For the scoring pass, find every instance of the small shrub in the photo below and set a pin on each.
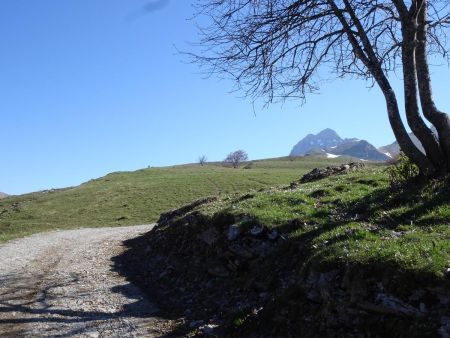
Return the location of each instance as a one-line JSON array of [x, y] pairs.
[[402, 171]]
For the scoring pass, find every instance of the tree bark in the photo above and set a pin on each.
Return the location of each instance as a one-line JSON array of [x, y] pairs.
[[439, 119], [426, 167], [415, 121], [367, 55]]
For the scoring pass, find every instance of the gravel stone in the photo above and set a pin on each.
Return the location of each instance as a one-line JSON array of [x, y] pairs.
[[62, 284]]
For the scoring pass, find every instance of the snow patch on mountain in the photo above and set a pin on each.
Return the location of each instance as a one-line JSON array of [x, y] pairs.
[[330, 144]]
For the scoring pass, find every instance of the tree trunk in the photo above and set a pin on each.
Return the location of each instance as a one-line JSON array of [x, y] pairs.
[[439, 119], [415, 121], [368, 56], [364, 51], [426, 167]]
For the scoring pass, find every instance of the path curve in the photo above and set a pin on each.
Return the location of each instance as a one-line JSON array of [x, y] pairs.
[[61, 284]]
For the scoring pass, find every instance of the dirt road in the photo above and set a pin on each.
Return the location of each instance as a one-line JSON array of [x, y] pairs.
[[62, 284]]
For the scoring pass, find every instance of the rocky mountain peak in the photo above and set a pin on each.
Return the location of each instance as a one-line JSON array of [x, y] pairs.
[[328, 134], [325, 139], [329, 143]]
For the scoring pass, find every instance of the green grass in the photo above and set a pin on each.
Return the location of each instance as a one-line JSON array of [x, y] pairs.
[[344, 242], [129, 198], [357, 219]]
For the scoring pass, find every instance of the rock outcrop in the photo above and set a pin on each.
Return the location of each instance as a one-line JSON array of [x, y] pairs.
[[318, 173]]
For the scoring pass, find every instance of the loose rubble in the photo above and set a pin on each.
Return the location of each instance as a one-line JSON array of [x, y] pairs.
[[319, 173]]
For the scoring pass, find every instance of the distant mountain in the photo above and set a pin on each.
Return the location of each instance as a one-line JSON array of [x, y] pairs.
[[325, 139], [328, 143], [392, 150], [3, 195], [360, 149]]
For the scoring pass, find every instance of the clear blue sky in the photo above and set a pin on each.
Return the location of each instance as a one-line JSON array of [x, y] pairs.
[[94, 86]]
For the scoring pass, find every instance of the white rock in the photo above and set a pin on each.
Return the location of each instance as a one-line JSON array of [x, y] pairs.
[[208, 328]]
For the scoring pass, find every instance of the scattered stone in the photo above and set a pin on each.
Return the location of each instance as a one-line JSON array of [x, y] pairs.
[[273, 235], [208, 329], [317, 173], [257, 230], [357, 288], [422, 307], [397, 306], [192, 220], [233, 232], [241, 219], [218, 271], [240, 251], [294, 185], [297, 222], [264, 284], [196, 323], [444, 330], [163, 274], [262, 248], [209, 236], [396, 233], [233, 266]]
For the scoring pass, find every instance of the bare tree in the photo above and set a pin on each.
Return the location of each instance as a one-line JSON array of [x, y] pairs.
[[277, 49], [202, 160], [236, 158]]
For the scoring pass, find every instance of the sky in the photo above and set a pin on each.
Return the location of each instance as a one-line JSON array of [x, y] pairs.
[[90, 87]]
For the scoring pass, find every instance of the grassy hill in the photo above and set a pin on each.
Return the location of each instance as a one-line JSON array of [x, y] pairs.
[[127, 198], [344, 256]]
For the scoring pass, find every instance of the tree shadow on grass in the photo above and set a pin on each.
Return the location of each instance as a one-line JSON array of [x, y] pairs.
[[417, 199], [172, 264]]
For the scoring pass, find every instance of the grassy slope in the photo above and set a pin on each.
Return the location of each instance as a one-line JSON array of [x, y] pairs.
[[397, 238], [139, 197], [358, 218]]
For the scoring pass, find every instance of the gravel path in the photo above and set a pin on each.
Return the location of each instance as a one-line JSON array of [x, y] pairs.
[[61, 284]]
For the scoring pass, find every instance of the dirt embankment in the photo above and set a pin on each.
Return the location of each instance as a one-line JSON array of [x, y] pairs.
[[230, 276]]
